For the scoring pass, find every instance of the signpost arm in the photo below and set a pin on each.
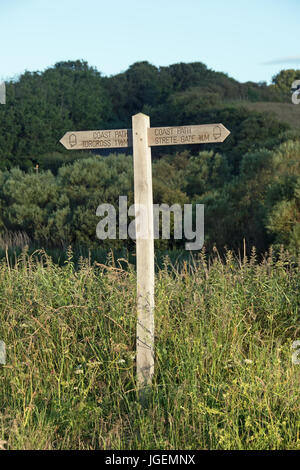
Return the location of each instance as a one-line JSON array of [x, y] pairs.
[[143, 199]]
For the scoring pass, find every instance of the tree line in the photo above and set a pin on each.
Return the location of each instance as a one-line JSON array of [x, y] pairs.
[[249, 184]]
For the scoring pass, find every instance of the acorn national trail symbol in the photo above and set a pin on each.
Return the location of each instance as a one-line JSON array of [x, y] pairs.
[[72, 140], [141, 138]]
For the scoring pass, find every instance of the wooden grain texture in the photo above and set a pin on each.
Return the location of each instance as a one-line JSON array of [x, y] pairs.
[[98, 139], [182, 135], [144, 250]]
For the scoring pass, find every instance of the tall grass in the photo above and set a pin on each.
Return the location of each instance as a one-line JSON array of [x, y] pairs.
[[101, 255], [13, 240], [224, 378]]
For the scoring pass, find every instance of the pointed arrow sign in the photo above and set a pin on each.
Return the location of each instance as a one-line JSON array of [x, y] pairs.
[[201, 134], [84, 140], [98, 139]]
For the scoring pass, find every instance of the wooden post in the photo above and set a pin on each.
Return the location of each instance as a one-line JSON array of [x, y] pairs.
[[144, 250], [143, 137]]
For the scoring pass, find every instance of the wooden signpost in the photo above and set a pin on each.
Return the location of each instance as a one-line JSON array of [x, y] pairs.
[[142, 137]]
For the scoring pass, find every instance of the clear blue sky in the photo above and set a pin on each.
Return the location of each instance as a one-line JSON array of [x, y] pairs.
[[249, 40]]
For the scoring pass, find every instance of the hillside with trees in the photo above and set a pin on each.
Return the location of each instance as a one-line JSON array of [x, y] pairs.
[[250, 184]]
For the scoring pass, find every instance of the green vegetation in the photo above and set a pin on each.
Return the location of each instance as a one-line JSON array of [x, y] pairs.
[[261, 204], [225, 323], [42, 106], [249, 184], [284, 112], [224, 377], [55, 205]]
